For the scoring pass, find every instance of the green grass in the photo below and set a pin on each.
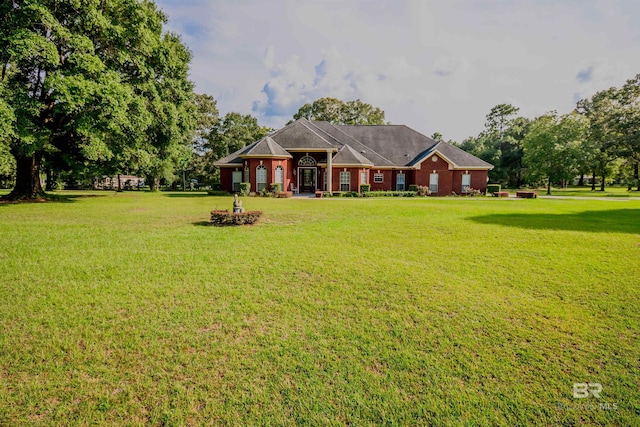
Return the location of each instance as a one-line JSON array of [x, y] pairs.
[[125, 309], [609, 191]]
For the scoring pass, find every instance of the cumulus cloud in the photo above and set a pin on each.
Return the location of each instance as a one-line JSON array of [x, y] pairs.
[[436, 65]]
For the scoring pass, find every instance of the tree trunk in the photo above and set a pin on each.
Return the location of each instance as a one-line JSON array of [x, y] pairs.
[[581, 180], [593, 181], [49, 181], [602, 183], [28, 184], [119, 185], [153, 183], [636, 175], [549, 187]]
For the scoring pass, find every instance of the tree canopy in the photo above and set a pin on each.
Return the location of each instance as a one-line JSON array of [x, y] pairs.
[[95, 81], [339, 112]]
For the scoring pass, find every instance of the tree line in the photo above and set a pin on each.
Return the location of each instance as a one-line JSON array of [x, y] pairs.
[[599, 140], [92, 89]]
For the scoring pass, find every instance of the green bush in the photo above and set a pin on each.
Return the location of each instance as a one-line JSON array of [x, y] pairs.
[[222, 218], [422, 190], [245, 188], [391, 194], [413, 187], [336, 194], [365, 188], [350, 194], [326, 194], [216, 186], [217, 193], [275, 187], [493, 188]]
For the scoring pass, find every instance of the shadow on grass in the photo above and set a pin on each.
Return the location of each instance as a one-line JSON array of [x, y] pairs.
[[202, 224], [613, 221], [186, 195], [50, 198]]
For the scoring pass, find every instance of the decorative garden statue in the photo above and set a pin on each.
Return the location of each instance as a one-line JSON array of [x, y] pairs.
[[237, 204]]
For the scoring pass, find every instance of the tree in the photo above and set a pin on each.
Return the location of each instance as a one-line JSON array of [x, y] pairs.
[[85, 79], [552, 146], [339, 112], [602, 112], [233, 132]]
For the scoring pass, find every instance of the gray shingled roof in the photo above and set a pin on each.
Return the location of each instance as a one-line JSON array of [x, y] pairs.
[[459, 157], [398, 143], [377, 145], [301, 134], [266, 147], [342, 138], [348, 156]]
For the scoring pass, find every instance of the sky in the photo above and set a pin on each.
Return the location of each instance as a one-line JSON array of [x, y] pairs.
[[433, 65]]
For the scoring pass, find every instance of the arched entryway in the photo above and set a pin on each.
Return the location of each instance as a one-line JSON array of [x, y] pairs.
[[307, 175]]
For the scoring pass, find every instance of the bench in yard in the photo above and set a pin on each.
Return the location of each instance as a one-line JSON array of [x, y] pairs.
[[526, 194]]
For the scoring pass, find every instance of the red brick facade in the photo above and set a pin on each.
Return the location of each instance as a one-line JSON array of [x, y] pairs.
[[449, 180]]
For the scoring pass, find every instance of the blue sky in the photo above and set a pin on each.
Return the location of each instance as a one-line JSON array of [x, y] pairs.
[[436, 66]]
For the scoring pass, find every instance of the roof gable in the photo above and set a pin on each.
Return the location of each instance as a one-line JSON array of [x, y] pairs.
[[301, 135], [348, 156], [266, 147]]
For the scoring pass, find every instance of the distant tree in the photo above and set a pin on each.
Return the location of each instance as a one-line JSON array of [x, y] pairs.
[[437, 136], [339, 112], [552, 147], [207, 121], [233, 132]]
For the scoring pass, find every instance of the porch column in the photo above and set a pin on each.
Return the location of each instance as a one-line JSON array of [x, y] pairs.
[[329, 171]]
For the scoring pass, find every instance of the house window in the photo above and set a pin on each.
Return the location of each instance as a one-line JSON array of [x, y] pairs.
[[466, 182], [307, 161], [280, 176], [246, 173], [363, 177], [236, 177], [345, 181], [378, 178], [433, 182], [261, 178], [400, 182]]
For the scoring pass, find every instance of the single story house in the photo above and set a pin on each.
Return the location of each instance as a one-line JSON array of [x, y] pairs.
[[307, 156]]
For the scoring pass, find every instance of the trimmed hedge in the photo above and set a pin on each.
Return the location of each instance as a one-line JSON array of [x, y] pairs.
[[275, 187], [365, 188], [390, 194], [217, 193], [224, 217]]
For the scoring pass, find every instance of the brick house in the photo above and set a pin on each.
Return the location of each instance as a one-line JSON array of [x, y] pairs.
[[306, 156]]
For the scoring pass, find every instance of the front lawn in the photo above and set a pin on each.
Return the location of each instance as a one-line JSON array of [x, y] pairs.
[[126, 309]]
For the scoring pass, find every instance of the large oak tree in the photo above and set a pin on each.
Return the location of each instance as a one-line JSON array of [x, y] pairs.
[[96, 80]]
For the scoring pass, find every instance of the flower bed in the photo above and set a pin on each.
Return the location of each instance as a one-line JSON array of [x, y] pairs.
[[224, 217]]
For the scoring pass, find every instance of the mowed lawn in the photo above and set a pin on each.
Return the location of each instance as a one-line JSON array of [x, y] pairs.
[[126, 309]]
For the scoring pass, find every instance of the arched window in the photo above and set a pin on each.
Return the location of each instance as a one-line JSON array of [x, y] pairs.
[[307, 161], [261, 177], [280, 177]]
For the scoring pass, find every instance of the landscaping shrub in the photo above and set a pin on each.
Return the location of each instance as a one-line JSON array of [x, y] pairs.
[[245, 188], [275, 187], [350, 194], [390, 194], [326, 194], [413, 187], [421, 190], [336, 194], [365, 188], [493, 188], [224, 217], [217, 193], [216, 186]]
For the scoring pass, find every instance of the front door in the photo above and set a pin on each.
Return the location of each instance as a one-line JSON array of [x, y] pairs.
[[307, 178]]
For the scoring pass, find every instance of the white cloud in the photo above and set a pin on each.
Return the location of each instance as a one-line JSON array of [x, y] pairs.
[[434, 65]]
